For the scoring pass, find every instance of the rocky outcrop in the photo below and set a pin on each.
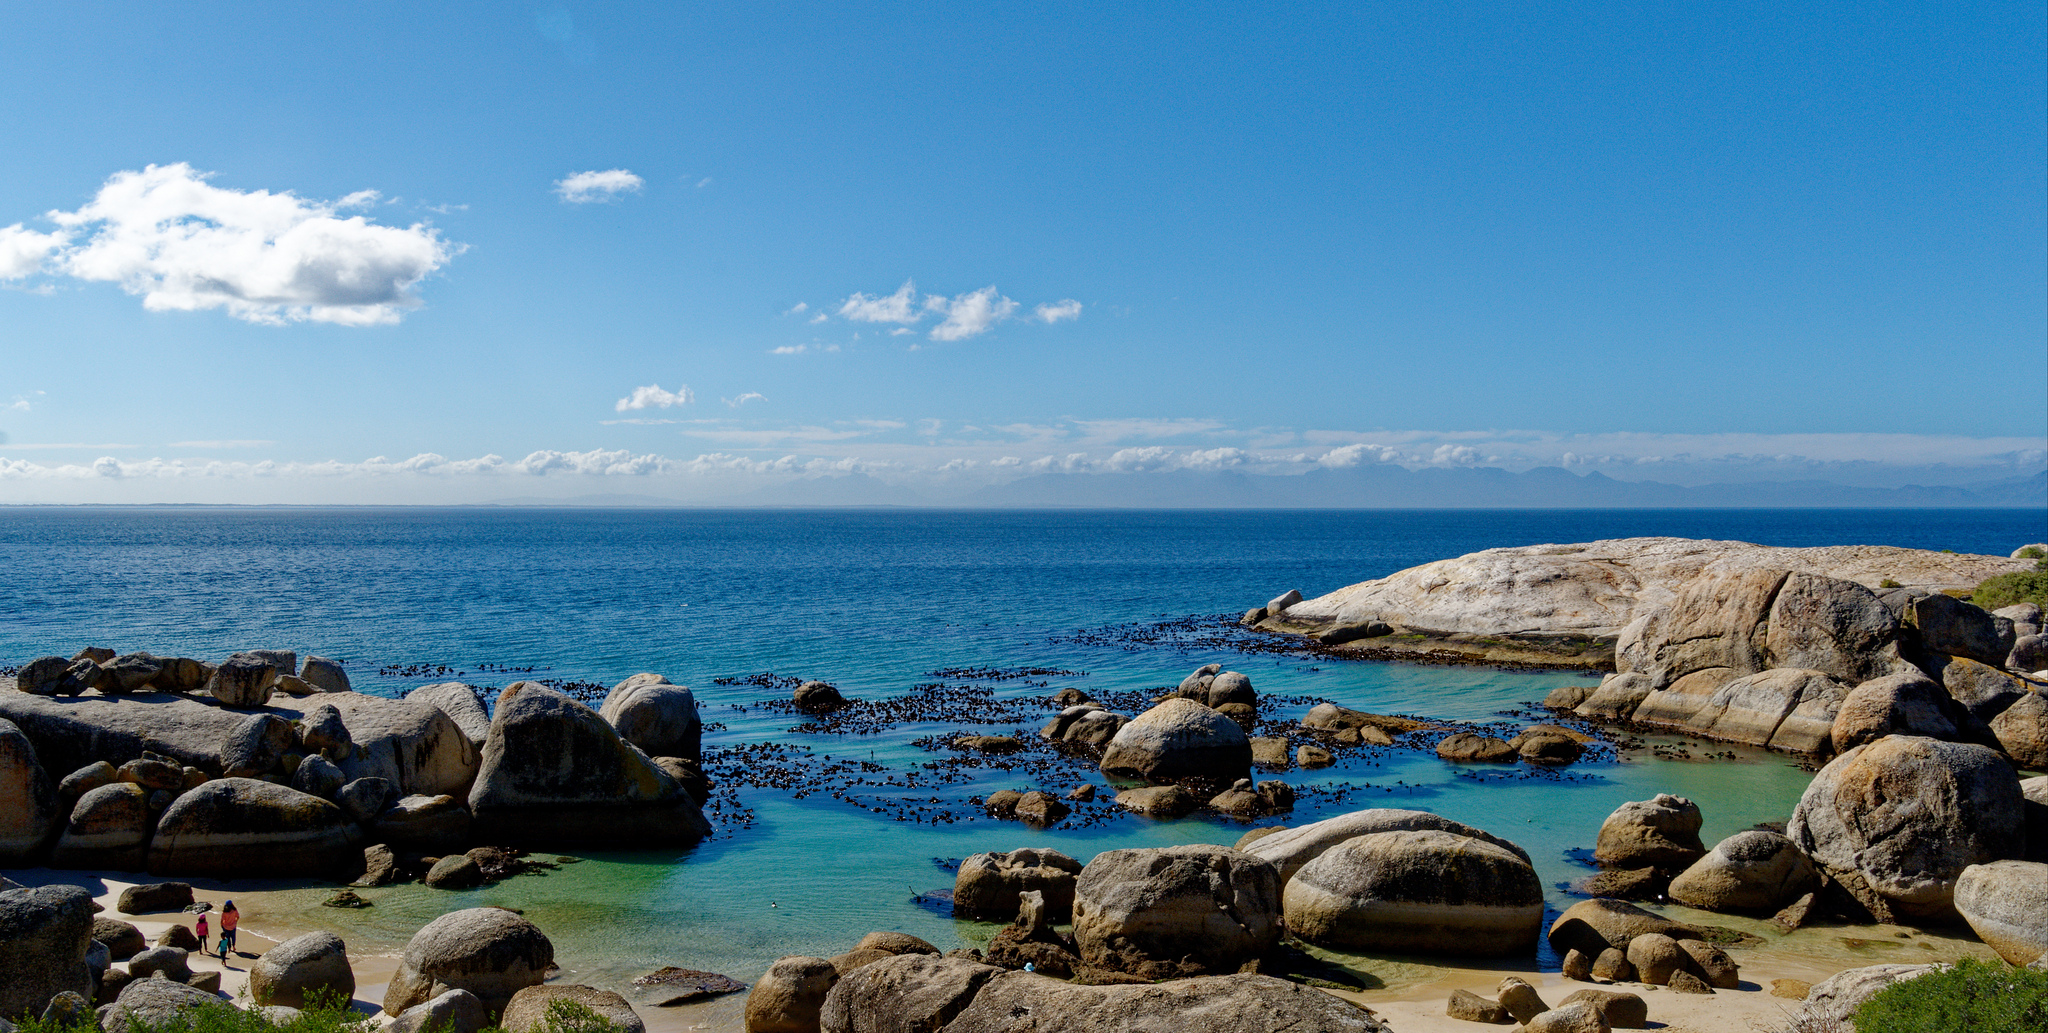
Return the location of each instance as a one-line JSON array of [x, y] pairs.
[[240, 827], [1908, 703], [554, 771], [1749, 871], [463, 705], [1417, 892], [1592, 590], [787, 997], [1896, 821], [1009, 1002], [659, 718], [1592, 927], [44, 933], [73, 732], [1290, 849], [1832, 1002], [1175, 911], [409, 742], [2006, 904], [296, 970], [527, 1012], [1786, 708], [1180, 739], [487, 951], [988, 885], [28, 799]]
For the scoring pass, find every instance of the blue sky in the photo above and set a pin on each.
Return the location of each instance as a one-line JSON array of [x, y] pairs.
[[1707, 242]]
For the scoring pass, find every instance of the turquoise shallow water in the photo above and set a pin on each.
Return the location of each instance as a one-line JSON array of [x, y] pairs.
[[874, 602]]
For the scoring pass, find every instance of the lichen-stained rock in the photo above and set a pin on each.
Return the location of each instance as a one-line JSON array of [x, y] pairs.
[[1899, 704], [555, 772], [109, 828], [240, 827], [1617, 697], [1786, 708], [1014, 1002], [1421, 892], [487, 951], [244, 680], [1749, 871], [1661, 832], [659, 718], [1180, 739], [1592, 927], [154, 1002], [44, 934], [2022, 731], [528, 1011], [1290, 849], [901, 993], [28, 798], [1983, 691], [2006, 904], [1896, 821], [1184, 910], [72, 732]]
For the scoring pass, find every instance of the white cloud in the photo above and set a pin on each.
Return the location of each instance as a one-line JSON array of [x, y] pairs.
[[751, 396], [801, 306], [819, 318], [900, 307], [586, 187], [653, 397], [164, 233], [1460, 455], [969, 315], [22, 251], [802, 349], [1065, 309]]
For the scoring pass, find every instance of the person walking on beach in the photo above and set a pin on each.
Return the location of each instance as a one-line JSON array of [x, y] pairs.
[[229, 919], [199, 929]]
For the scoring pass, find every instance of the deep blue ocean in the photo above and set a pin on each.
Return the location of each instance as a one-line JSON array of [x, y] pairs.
[[877, 602]]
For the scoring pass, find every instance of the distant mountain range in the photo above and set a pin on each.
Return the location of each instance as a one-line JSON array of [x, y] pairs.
[[1383, 486]]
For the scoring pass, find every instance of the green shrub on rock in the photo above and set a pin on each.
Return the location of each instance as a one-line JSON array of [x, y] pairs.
[[1974, 995], [2026, 586]]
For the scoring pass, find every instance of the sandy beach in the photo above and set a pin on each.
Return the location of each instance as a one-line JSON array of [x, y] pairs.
[[1411, 999]]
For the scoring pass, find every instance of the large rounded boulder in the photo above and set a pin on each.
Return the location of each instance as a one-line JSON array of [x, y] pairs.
[[787, 997], [408, 742], [28, 799], [1290, 849], [109, 828], [1896, 821], [301, 968], [1593, 926], [655, 716], [44, 933], [239, 827], [1909, 703], [1749, 871], [462, 704], [2006, 904], [1418, 892], [1661, 832], [487, 951], [1180, 738], [904, 992], [1175, 911], [529, 1010], [555, 772]]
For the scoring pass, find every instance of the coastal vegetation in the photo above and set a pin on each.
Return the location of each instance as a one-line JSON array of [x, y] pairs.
[[1974, 995]]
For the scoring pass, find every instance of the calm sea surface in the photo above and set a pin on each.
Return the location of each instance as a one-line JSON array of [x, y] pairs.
[[876, 602]]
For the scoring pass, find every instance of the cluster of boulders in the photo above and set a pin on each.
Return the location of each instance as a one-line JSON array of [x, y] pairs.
[[225, 779], [1809, 664], [1544, 745], [1161, 938]]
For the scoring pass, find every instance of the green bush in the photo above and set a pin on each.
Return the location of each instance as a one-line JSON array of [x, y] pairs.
[[327, 1012], [2027, 586], [2032, 552], [1975, 995]]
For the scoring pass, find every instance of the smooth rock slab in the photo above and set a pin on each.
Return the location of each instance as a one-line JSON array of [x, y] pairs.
[[1016, 1002]]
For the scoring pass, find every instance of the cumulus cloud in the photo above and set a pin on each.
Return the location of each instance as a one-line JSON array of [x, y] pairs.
[[900, 307], [23, 251], [969, 315], [653, 397], [751, 396], [1063, 310], [595, 186], [184, 245]]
